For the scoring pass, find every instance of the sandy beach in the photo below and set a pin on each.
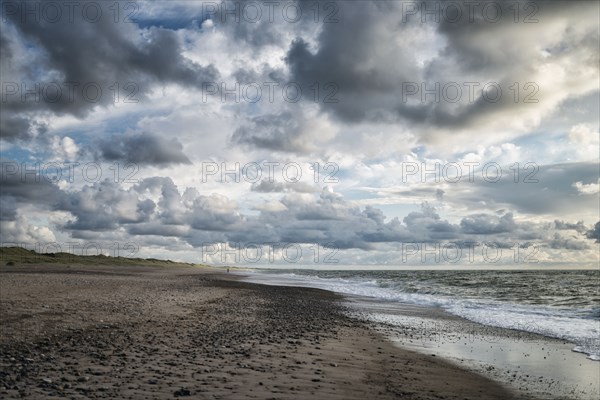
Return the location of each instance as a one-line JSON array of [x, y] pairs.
[[151, 332]]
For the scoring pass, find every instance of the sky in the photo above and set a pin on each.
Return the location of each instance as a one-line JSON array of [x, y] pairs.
[[303, 133]]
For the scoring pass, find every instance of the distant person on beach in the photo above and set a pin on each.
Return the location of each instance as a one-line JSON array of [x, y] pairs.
[[227, 269]]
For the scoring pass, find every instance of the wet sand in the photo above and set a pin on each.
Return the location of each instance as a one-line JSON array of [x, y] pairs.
[[152, 333], [531, 364]]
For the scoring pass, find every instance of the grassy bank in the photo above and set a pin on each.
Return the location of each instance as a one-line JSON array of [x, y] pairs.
[[19, 255]]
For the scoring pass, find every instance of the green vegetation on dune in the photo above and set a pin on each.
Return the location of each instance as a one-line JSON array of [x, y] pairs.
[[19, 255]]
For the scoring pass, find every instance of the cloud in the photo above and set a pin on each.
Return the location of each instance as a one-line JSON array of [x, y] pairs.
[[104, 206], [156, 207], [298, 130], [28, 188], [590, 188], [361, 124], [579, 227], [280, 132], [101, 206], [346, 54], [19, 231], [267, 186], [73, 77], [545, 189], [8, 208], [583, 134], [64, 148], [572, 243], [372, 70], [427, 226], [594, 233], [214, 213], [439, 194], [488, 224], [143, 149], [526, 188], [14, 127]]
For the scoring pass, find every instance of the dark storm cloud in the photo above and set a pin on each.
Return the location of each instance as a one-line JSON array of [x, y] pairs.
[[8, 208], [71, 55], [427, 226], [143, 149], [488, 224], [266, 73], [569, 243], [504, 232], [464, 48], [367, 90], [462, 33], [360, 54], [17, 127], [28, 188], [101, 206], [594, 233], [469, 53], [156, 228], [191, 209], [5, 47], [170, 210], [201, 219], [579, 226], [156, 207], [331, 220], [104, 206], [549, 189]]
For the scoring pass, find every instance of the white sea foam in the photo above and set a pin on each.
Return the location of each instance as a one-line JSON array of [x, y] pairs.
[[585, 333]]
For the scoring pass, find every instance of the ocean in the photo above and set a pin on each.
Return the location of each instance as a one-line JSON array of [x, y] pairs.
[[558, 304]]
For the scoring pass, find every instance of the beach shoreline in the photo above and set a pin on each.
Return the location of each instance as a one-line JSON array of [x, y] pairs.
[[530, 364], [150, 332]]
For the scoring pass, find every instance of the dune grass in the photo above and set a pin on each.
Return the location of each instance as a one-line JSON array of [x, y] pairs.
[[19, 255]]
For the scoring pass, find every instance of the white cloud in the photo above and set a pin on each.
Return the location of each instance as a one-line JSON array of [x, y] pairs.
[[585, 141], [590, 188], [21, 232]]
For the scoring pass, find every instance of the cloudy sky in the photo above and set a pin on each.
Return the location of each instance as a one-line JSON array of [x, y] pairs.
[[303, 132]]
